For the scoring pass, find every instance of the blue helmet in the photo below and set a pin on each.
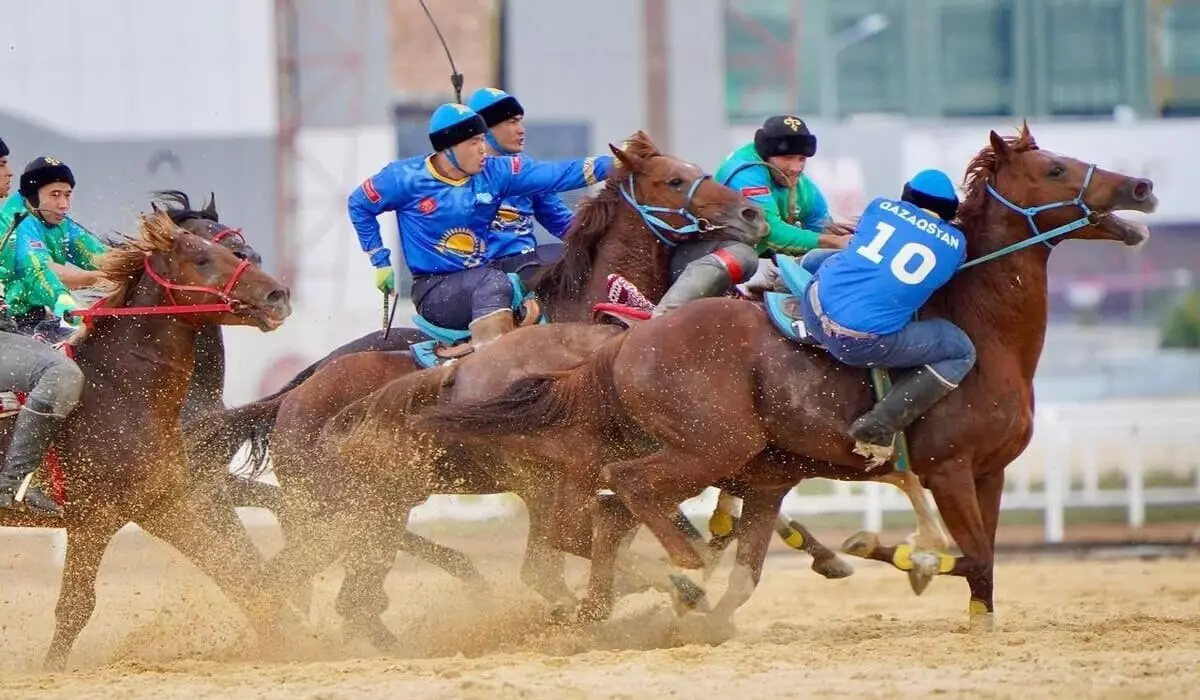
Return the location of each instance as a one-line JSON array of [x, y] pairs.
[[932, 190], [453, 123], [495, 105]]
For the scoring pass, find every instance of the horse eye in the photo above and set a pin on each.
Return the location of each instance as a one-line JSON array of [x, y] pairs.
[[203, 261], [675, 182], [1057, 170]]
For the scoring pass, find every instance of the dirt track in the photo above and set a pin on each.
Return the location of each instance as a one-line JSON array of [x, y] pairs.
[[1067, 628]]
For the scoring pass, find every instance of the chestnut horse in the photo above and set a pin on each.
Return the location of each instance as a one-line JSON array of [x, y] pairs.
[[609, 234], [120, 451], [732, 403]]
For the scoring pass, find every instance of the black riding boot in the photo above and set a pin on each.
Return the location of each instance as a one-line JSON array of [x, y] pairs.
[[32, 436], [907, 401]]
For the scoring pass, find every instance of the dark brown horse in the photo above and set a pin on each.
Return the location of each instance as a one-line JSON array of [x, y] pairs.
[[121, 449], [607, 236], [731, 403]]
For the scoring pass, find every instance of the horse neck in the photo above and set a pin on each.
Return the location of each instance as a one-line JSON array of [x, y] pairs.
[[627, 248], [1001, 304], [147, 356]]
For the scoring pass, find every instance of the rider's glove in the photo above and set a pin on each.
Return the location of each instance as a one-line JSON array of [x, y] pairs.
[[62, 305], [385, 279]]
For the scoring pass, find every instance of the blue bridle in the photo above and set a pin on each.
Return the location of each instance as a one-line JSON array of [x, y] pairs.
[[1030, 212], [661, 229]]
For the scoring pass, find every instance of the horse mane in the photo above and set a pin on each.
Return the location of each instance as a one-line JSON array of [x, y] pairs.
[[980, 172], [178, 206], [122, 267], [568, 278]]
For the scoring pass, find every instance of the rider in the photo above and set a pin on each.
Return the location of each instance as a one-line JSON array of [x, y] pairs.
[[861, 303], [45, 254], [35, 255], [514, 245], [445, 203], [5, 172], [769, 172]]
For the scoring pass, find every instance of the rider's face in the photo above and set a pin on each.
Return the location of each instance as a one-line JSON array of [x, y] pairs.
[[54, 201], [510, 134], [6, 177], [792, 166], [470, 154]]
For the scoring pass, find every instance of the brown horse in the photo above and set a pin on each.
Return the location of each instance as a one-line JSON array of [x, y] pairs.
[[608, 236], [121, 449], [732, 403]]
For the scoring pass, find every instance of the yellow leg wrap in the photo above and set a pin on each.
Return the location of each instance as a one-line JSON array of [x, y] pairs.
[[977, 608], [902, 559], [794, 539], [720, 524]]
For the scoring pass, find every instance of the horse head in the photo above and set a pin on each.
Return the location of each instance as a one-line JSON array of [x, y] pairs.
[[204, 222], [678, 201], [1058, 197], [200, 281]]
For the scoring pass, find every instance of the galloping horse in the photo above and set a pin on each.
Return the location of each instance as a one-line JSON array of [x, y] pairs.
[[731, 402], [610, 234], [121, 451]]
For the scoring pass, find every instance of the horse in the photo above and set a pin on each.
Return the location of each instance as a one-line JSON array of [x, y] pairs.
[[136, 354], [610, 233], [730, 402]]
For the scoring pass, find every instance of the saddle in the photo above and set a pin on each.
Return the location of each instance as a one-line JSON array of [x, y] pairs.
[[785, 313], [447, 344]]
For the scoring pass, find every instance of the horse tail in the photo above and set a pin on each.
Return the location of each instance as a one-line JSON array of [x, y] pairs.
[[217, 435], [553, 399], [373, 429]]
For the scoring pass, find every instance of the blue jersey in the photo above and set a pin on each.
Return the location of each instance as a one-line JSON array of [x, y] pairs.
[[512, 229], [445, 224], [898, 257]]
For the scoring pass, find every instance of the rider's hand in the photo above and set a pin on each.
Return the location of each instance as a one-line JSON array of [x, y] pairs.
[[385, 279], [63, 304], [829, 240]]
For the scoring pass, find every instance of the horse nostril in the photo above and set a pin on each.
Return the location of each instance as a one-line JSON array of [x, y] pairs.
[[277, 296], [751, 214], [1142, 189]]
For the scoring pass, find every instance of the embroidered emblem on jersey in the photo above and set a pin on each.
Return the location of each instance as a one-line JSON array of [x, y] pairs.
[[463, 243], [369, 190], [508, 214], [484, 197], [516, 165], [756, 191], [36, 245], [427, 205]]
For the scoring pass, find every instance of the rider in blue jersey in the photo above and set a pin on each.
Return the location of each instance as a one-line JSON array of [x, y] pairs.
[[515, 247], [445, 203], [861, 303]]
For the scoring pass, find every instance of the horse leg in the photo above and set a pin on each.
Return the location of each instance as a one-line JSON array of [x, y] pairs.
[[929, 541], [825, 561], [204, 527], [448, 559], [252, 493], [615, 526], [759, 511], [363, 597], [981, 612], [77, 595], [544, 568], [723, 527]]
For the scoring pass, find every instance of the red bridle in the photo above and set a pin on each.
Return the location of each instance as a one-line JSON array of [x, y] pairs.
[[227, 305]]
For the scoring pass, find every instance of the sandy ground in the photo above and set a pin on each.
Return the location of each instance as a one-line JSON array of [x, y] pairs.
[[1066, 628]]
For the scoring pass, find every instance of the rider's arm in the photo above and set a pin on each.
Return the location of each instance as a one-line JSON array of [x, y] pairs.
[[782, 237], [817, 216], [377, 194], [552, 213], [36, 268], [83, 249], [522, 176]]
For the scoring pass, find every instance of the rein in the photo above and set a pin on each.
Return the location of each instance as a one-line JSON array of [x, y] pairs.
[[227, 305], [668, 235]]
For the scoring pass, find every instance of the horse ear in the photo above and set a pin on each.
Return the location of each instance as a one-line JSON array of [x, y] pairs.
[[211, 207], [1027, 135], [154, 208], [1000, 147], [628, 160]]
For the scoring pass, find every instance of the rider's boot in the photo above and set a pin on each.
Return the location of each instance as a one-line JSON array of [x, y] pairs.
[[696, 282], [32, 435], [486, 329], [909, 398]]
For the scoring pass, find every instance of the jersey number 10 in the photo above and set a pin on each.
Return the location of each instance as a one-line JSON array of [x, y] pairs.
[[901, 260]]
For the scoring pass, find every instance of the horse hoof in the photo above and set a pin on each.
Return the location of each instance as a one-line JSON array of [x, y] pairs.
[[592, 610], [833, 567], [375, 633], [54, 664], [687, 596], [981, 624], [924, 568], [861, 544]]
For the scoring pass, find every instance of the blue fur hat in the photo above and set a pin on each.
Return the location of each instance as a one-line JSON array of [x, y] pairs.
[[932, 190], [495, 105], [453, 123]]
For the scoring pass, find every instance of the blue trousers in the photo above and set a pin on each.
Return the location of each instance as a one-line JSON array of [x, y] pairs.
[[936, 343], [456, 299], [527, 265]]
